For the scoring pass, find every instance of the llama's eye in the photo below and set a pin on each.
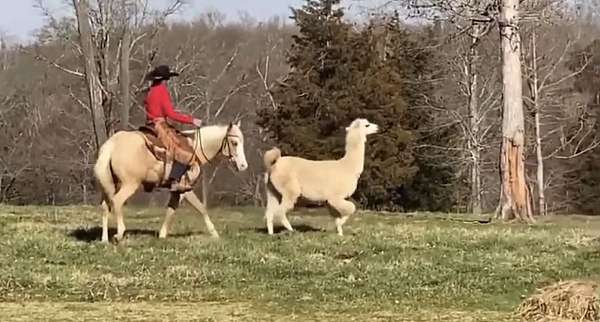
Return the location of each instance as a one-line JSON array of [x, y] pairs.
[[368, 125]]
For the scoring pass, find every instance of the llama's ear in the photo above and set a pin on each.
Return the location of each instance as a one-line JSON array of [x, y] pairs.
[[239, 123]]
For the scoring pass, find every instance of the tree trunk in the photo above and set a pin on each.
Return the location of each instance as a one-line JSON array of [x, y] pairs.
[[515, 200], [125, 80], [91, 72], [4, 53], [473, 140], [534, 83]]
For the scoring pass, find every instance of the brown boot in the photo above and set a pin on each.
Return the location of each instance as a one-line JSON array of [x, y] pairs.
[[182, 185]]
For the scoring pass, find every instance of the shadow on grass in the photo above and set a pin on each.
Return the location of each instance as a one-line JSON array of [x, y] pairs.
[[95, 233], [302, 228]]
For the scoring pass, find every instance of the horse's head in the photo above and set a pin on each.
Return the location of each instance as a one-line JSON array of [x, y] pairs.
[[233, 146]]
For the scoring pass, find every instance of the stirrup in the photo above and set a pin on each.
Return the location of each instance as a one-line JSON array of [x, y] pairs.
[[177, 186]]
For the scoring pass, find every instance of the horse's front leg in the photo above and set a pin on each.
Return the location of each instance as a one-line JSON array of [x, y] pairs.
[[193, 200], [174, 202]]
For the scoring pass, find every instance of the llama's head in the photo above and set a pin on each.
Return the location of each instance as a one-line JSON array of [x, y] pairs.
[[362, 127]]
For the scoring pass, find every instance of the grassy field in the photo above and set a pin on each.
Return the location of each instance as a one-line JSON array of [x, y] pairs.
[[387, 268]]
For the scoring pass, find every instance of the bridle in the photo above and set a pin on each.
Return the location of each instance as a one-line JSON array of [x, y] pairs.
[[225, 143]]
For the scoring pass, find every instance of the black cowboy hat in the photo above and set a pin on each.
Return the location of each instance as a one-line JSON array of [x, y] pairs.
[[161, 72]]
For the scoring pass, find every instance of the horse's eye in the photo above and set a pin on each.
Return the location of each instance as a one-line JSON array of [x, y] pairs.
[[368, 125], [234, 143]]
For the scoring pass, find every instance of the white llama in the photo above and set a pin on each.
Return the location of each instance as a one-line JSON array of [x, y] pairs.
[[333, 181]]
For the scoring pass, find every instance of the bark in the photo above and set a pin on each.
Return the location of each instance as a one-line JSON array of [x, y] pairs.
[[515, 200], [124, 80], [534, 88], [4, 53], [91, 72], [474, 116]]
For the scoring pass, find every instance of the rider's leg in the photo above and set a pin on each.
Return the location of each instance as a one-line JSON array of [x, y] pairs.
[[183, 177], [177, 171]]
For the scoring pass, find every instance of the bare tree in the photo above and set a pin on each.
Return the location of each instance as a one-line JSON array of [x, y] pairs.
[[91, 72], [109, 32], [515, 201]]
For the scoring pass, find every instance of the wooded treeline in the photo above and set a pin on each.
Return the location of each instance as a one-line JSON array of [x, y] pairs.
[[435, 88]]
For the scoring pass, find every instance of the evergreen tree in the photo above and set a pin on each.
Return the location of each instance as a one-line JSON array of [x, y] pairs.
[[433, 186], [338, 74], [587, 178]]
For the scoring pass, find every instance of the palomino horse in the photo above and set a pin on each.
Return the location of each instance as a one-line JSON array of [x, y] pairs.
[[125, 163]]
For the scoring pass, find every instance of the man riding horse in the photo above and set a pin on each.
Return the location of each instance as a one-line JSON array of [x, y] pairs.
[[159, 108]]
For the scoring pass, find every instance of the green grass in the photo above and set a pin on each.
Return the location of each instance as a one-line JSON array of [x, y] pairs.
[[387, 268]]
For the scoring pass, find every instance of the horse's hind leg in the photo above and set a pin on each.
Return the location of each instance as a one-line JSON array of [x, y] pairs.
[[193, 200], [105, 215], [126, 191], [174, 202], [344, 208]]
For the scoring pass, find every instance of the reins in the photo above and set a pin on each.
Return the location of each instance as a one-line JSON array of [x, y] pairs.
[[225, 142]]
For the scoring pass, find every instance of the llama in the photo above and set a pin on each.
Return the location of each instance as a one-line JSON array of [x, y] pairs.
[[332, 181]]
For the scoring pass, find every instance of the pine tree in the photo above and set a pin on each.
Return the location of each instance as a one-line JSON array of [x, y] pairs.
[[587, 176], [338, 74], [411, 53]]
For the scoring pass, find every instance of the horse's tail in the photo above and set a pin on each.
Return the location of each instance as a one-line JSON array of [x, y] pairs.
[[103, 171], [271, 157]]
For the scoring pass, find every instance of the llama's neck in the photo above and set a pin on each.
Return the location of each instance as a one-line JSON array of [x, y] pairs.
[[354, 157], [211, 141]]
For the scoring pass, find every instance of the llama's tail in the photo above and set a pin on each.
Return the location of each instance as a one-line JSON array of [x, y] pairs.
[[271, 157], [103, 171]]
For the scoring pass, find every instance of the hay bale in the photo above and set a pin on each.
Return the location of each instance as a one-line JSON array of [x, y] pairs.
[[571, 300]]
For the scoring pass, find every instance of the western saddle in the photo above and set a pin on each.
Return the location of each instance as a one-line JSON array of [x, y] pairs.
[[160, 152]]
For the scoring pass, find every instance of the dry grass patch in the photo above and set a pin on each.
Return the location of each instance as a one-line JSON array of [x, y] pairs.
[[572, 300]]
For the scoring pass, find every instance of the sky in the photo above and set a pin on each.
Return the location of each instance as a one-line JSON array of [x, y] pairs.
[[20, 18]]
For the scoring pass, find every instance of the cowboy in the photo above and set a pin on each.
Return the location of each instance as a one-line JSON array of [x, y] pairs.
[[159, 108]]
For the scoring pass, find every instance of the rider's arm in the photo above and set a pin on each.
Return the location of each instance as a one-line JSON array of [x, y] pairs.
[[170, 112]]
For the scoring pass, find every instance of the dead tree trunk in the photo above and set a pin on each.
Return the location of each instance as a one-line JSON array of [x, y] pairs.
[[91, 72], [125, 80], [515, 199], [4, 53], [474, 117]]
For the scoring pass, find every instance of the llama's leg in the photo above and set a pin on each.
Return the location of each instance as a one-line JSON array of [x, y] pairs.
[[288, 200], [285, 222], [275, 209], [272, 208], [345, 208], [193, 200], [126, 191], [174, 202], [105, 215]]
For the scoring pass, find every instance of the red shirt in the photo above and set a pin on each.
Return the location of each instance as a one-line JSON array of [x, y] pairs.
[[158, 104]]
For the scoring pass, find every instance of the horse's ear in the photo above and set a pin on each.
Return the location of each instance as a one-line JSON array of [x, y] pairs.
[[239, 123]]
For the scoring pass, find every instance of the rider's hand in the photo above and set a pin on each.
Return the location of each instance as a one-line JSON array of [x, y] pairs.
[[197, 122]]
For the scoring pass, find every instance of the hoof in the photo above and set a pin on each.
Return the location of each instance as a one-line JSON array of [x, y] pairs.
[[118, 239]]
